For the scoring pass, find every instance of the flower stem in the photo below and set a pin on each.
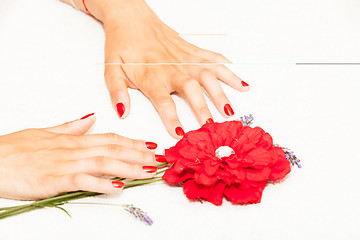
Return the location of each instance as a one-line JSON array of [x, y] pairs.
[[64, 198]]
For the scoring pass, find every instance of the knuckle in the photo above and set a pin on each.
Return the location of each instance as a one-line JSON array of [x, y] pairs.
[[112, 137], [190, 84], [203, 109], [113, 148], [144, 155], [100, 182], [204, 73], [100, 162], [220, 68], [76, 181], [164, 103]]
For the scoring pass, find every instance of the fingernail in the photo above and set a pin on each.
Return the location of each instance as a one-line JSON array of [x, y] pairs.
[[160, 158], [210, 120], [86, 116], [151, 145], [149, 169], [121, 109], [117, 184], [179, 131], [228, 110], [244, 84]]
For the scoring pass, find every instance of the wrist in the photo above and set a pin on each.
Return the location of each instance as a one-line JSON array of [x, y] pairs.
[[110, 10]]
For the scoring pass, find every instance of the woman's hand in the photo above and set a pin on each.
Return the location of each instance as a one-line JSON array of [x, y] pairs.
[[136, 35], [39, 163]]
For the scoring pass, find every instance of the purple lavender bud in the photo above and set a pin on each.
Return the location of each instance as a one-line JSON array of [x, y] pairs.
[[247, 120], [138, 213], [290, 155]]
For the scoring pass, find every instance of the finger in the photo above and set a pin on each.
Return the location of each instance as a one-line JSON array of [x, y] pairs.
[[111, 167], [84, 141], [164, 104], [212, 86], [227, 76], [125, 154], [115, 80], [77, 127], [85, 182], [193, 92]]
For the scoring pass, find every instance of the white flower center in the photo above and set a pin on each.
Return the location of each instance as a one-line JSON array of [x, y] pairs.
[[224, 151]]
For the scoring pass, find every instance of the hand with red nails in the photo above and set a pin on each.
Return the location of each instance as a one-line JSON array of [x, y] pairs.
[[134, 34], [39, 163]]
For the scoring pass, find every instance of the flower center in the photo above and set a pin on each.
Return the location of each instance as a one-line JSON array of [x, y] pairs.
[[224, 151]]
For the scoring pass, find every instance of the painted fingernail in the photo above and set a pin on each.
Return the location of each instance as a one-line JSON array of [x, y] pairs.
[[160, 158], [117, 184], [210, 120], [179, 131], [228, 110], [244, 84], [120, 107], [86, 116], [149, 169], [151, 145]]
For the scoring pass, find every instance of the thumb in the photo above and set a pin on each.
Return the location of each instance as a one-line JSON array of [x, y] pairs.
[[77, 127], [116, 83]]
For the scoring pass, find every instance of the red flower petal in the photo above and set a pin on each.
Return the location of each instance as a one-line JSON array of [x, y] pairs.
[[238, 173], [259, 158], [204, 179], [171, 177], [239, 195], [172, 155], [266, 141], [213, 194], [200, 139], [194, 191], [210, 167], [281, 167], [217, 193], [254, 134], [258, 175]]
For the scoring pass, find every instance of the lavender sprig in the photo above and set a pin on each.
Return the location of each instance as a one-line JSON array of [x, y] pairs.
[[290, 155], [247, 120], [138, 213]]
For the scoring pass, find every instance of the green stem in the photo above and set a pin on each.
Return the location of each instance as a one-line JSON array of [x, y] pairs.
[[162, 171], [144, 182], [28, 209], [64, 198]]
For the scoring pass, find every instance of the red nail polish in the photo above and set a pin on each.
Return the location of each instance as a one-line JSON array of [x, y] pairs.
[[151, 145], [228, 110], [244, 84], [86, 116], [179, 131], [121, 109], [117, 184], [160, 158], [210, 120], [149, 169]]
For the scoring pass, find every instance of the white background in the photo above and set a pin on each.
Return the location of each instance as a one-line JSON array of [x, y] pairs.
[[51, 71]]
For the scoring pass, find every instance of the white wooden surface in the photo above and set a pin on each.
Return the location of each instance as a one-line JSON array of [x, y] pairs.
[[51, 71]]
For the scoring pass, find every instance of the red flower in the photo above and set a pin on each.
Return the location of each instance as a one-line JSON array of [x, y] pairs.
[[240, 177]]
